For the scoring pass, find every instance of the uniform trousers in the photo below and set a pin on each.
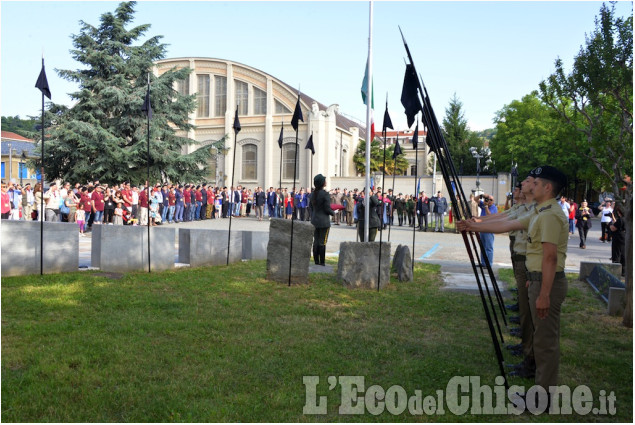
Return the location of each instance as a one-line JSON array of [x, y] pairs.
[[547, 331], [524, 312]]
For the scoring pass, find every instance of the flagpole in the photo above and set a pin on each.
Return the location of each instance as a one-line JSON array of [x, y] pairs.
[[41, 212], [369, 94], [394, 171], [414, 227], [231, 203], [295, 169], [280, 176], [148, 166], [383, 198]]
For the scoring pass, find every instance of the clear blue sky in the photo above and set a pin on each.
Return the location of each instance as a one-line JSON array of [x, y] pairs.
[[488, 53]]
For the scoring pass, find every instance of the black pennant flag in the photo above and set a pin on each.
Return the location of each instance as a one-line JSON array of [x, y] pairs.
[[387, 120], [397, 150], [147, 107], [415, 137], [409, 97], [280, 138], [309, 145], [42, 83], [236, 122], [297, 115]]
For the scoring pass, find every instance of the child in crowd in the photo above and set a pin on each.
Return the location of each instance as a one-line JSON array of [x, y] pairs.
[[79, 218], [117, 220]]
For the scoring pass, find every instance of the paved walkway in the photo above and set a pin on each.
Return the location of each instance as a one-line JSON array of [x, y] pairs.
[[446, 249]]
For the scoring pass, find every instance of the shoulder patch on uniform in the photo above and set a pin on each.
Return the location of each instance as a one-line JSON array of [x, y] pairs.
[[544, 208]]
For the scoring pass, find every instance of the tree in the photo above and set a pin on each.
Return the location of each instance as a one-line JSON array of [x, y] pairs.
[[398, 166], [596, 100], [460, 139], [529, 133], [19, 126], [104, 135]]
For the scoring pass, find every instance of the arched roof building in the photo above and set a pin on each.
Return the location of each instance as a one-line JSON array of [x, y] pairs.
[[264, 105]]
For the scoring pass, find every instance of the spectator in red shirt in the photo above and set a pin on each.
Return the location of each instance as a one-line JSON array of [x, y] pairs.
[[187, 199], [97, 199], [171, 205], [6, 202], [143, 206]]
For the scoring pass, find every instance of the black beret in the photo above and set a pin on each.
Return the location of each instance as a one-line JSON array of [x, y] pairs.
[[547, 172]]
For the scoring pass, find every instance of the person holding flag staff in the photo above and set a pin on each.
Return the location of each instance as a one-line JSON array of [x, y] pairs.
[[547, 237], [321, 210]]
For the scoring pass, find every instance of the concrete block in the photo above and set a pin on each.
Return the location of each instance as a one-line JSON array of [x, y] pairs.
[[255, 245], [280, 254], [617, 301], [205, 247], [358, 264], [586, 267], [125, 248], [21, 247]]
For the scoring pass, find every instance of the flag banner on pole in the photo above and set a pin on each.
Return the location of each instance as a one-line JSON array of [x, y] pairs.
[[372, 183], [309, 145], [297, 115], [280, 137], [387, 121], [415, 137], [397, 150], [418, 187], [409, 97], [42, 83], [236, 122], [365, 89], [147, 107]]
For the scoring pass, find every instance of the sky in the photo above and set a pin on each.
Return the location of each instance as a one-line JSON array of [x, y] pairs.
[[487, 53]]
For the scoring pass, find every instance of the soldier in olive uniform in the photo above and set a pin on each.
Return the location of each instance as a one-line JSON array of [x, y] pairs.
[[321, 207], [547, 237]]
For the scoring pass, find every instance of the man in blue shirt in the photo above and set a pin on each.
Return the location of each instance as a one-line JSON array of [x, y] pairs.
[[487, 208]]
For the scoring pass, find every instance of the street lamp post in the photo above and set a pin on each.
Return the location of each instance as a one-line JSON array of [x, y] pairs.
[[478, 154]]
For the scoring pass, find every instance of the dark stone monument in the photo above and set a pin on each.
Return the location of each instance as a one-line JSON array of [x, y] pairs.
[[279, 249], [358, 264], [402, 263]]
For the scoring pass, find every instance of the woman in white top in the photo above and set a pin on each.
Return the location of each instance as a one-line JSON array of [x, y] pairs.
[[606, 209]]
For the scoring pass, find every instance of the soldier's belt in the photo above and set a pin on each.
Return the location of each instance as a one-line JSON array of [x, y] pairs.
[[537, 276], [518, 257]]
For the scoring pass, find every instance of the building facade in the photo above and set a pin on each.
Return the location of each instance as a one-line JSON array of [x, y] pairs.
[[265, 108], [16, 151]]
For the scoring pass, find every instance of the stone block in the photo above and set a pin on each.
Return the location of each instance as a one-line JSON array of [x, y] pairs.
[[255, 245], [402, 263], [125, 248], [205, 247], [21, 247], [280, 254], [358, 264], [586, 267], [617, 301], [601, 280]]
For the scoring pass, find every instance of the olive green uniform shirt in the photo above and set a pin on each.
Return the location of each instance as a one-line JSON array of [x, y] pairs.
[[547, 224]]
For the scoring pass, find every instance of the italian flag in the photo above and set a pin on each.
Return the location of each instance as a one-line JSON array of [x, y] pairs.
[[372, 102]]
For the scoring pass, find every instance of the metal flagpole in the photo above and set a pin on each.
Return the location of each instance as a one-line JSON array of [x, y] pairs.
[[148, 166], [369, 97], [295, 169], [41, 212], [236, 130], [414, 224], [393, 189]]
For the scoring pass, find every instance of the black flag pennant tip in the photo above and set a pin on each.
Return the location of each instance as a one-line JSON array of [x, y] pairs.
[[42, 83]]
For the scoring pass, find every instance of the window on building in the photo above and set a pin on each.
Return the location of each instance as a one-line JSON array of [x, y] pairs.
[[23, 171], [250, 162], [281, 109], [288, 161], [220, 96], [242, 97], [413, 170], [183, 86], [202, 96], [260, 102], [3, 176]]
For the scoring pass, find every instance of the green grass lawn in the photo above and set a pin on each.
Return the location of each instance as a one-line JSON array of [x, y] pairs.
[[224, 344]]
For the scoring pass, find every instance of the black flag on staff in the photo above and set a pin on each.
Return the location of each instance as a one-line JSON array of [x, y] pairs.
[[236, 126], [384, 205], [146, 108], [397, 150], [42, 84], [297, 115], [309, 145], [413, 93]]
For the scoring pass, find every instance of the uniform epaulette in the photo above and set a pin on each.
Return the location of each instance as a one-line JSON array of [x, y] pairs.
[[544, 208]]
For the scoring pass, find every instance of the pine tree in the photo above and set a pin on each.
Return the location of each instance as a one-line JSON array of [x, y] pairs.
[[104, 134], [459, 138]]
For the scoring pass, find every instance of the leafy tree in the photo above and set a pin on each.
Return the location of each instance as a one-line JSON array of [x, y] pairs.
[[596, 100], [104, 135], [397, 166], [529, 133], [460, 139], [26, 128]]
